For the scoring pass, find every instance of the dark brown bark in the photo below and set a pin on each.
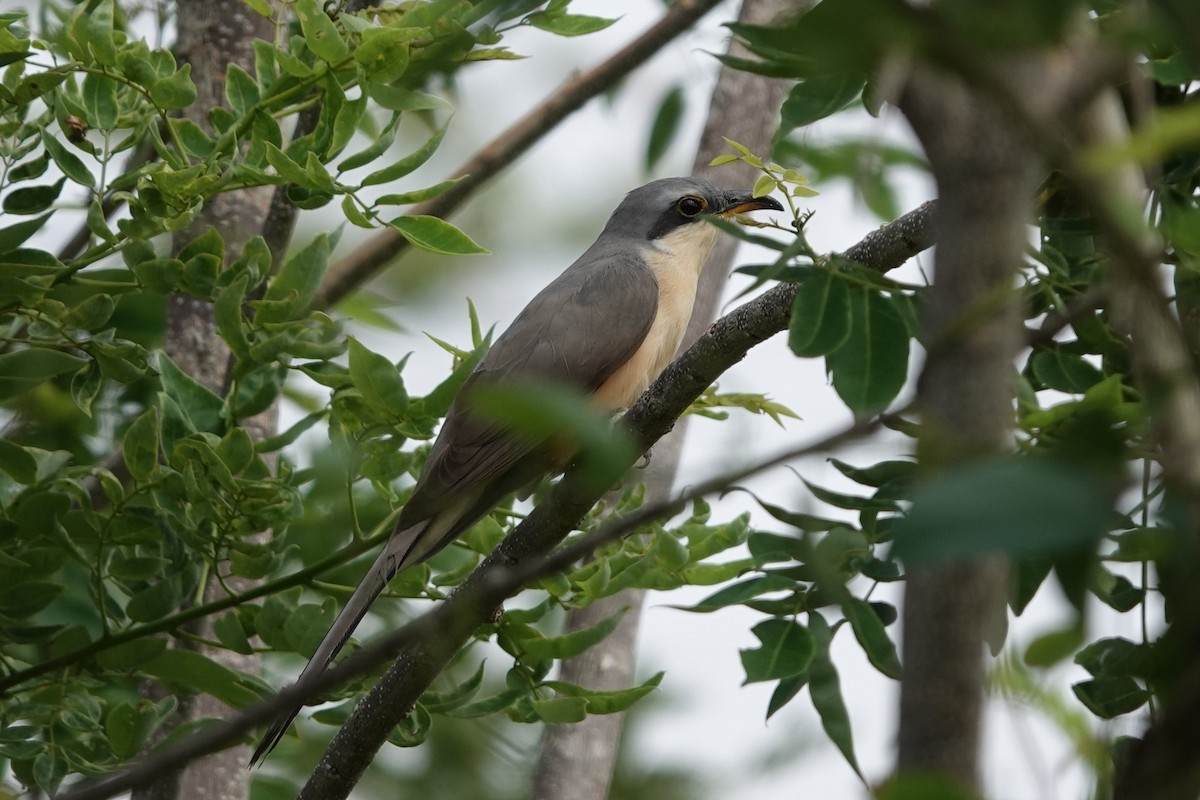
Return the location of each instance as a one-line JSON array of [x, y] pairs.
[[577, 761]]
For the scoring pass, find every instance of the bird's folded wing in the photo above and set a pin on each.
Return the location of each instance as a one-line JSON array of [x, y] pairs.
[[575, 333]]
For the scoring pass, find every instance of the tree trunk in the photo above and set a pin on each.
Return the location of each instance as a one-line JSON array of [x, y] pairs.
[[212, 34], [577, 761], [986, 173]]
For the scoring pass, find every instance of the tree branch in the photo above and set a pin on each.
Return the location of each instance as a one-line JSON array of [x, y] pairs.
[[374, 254]]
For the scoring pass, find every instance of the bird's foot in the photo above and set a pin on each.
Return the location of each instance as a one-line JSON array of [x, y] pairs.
[[644, 461]]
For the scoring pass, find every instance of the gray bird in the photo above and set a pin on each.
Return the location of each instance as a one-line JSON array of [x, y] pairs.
[[606, 327]]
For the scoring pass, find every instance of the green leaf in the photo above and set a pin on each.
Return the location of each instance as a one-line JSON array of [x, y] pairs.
[[38, 364], [100, 100], [1052, 647], [141, 445], [436, 235], [1063, 371], [288, 169], [784, 692], [155, 601], [571, 644], [826, 692], [442, 702], [377, 380], [820, 320], [319, 177], [398, 169], [739, 593], [874, 640], [93, 30], [665, 126], [373, 151], [32, 199], [132, 725], [1019, 506], [568, 24], [561, 710], [489, 705], [1115, 657], [227, 312], [297, 282], [610, 702], [870, 368], [200, 406], [174, 91], [320, 34], [241, 90], [669, 553], [14, 236], [417, 195], [282, 440], [71, 165], [766, 548], [877, 475], [852, 502], [306, 625], [351, 212], [132, 654], [395, 98], [383, 53], [33, 168], [18, 462], [1110, 697], [191, 670], [1143, 544], [786, 651], [815, 98], [23, 600], [236, 450], [92, 313]]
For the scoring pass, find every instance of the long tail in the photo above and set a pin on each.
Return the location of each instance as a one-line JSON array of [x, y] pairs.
[[398, 553]]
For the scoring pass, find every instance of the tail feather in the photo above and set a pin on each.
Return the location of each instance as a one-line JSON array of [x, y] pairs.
[[397, 554]]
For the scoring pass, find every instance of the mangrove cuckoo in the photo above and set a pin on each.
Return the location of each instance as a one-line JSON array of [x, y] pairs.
[[606, 327]]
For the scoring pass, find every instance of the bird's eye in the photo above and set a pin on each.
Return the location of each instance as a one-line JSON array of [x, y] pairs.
[[690, 206]]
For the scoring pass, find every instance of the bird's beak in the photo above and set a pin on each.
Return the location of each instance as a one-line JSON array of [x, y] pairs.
[[741, 202]]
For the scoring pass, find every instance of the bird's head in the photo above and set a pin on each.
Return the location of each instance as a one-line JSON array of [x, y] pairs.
[[669, 206]]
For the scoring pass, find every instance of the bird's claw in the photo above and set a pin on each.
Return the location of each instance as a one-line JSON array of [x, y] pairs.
[[644, 461]]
